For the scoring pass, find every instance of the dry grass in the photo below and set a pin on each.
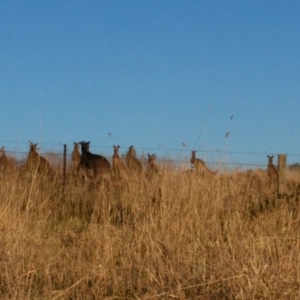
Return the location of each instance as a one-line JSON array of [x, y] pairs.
[[178, 237]]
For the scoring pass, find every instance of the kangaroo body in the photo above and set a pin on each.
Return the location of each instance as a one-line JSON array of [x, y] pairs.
[[199, 165], [118, 165], [4, 161], [36, 161], [133, 164], [152, 168], [98, 164], [272, 171], [76, 156]]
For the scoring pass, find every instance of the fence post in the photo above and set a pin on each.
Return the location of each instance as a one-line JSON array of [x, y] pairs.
[[281, 173], [65, 164]]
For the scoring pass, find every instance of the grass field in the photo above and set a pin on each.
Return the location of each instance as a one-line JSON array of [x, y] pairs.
[[179, 236]]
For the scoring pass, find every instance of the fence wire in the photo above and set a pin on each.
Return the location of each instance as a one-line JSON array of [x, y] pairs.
[[57, 149]]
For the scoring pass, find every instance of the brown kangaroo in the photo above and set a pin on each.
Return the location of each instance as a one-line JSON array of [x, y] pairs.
[[36, 161], [272, 171], [133, 164], [118, 165], [199, 165], [4, 161], [98, 164], [76, 156], [152, 168]]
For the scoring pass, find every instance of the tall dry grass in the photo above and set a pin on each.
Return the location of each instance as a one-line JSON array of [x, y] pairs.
[[178, 236]]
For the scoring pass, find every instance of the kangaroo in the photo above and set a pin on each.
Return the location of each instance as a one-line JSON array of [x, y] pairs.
[[98, 164], [272, 171], [4, 161], [36, 161], [118, 165], [76, 156], [199, 165], [152, 168], [133, 164]]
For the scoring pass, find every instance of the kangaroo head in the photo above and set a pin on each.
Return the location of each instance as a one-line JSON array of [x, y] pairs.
[[32, 147], [85, 146], [151, 158], [76, 146], [270, 158], [116, 149], [132, 151]]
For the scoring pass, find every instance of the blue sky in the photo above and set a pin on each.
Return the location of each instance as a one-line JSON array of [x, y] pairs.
[[153, 74]]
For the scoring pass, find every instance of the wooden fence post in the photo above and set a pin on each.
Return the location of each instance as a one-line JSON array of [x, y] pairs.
[[281, 173], [65, 164]]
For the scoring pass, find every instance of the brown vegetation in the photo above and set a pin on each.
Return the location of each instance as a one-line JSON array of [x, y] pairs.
[[179, 237]]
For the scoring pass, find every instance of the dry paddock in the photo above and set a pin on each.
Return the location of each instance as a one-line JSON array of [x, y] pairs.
[[178, 236]]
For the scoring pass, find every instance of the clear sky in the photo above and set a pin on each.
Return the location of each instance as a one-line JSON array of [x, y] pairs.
[[164, 76]]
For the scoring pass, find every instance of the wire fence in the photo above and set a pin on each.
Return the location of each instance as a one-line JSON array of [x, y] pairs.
[[181, 155]]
